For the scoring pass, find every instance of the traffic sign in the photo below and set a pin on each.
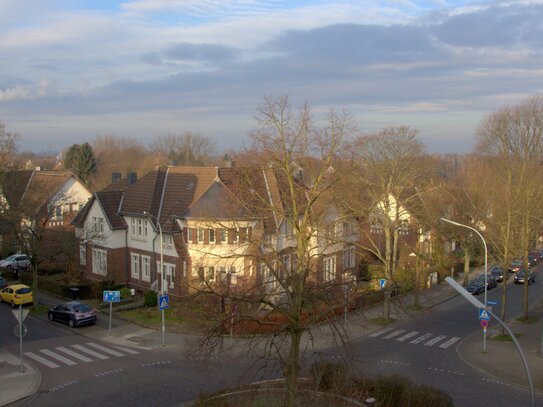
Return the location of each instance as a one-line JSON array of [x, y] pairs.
[[112, 296], [17, 314], [382, 283], [484, 323], [492, 302], [17, 330], [163, 301], [483, 315]]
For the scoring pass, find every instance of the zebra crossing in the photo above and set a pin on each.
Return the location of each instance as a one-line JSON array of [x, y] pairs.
[[72, 355], [415, 337]]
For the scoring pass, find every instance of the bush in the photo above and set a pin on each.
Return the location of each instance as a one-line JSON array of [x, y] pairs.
[[151, 299], [125, 292]]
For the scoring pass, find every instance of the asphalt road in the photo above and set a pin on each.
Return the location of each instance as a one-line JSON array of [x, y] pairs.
[[170, 378]]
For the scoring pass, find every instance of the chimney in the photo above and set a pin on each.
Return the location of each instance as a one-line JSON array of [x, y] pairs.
[[115, 176], [227, 161], [132, 177]]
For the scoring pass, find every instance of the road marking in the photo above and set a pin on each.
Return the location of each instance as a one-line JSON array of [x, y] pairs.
[[381, 331], [43, 361], [104, 349], [90, 352], [435, 340], [407, 336], [395, 333], [74, 354], [127, 350], [451, 341], [58, 357], [421, 338]]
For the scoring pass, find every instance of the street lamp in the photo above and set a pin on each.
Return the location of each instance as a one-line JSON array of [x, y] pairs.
[[486, 266], [480, 305], [161, 269]]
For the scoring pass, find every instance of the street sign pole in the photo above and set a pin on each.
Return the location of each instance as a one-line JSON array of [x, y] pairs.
[[163, 326], [21, 368], [110, 316]]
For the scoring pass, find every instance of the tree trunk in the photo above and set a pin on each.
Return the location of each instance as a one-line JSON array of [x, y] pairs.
[[388, 273], [417, 281], [467, 258], [292, 367]]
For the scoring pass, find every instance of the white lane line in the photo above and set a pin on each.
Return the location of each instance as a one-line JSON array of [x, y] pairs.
[[395, 333], [74, 354], [421, 338], [43, 361], [90, 352], [126, 350], [407, 336], [450, 342], [58, 357], [104, 349], [437, 339], [381, 331]]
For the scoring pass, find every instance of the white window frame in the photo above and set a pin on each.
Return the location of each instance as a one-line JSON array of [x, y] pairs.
[[135, 266], [139, 229], [145, 268], [83, 254], [99, 262], [200, 235], [211, 236], [223, 237], [349, 257], [169, 270], [235, 238], [167, 241], [98, 224], [329, 268]]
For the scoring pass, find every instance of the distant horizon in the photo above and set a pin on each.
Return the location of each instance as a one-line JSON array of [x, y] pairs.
[[145, 68]]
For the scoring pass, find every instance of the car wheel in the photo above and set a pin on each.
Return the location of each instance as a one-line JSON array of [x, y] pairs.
[[50, 316], [71, 323]]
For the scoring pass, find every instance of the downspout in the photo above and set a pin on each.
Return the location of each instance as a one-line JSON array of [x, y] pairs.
[[126, 272]]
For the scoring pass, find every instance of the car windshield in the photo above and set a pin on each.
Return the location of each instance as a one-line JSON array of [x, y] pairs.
[[495, 271], [12, 257], [82, 308], [516, 263], [24, 290]]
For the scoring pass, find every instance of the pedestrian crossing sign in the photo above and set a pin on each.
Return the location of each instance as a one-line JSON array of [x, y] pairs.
[[382, 283], [483, 315], [163, 301]]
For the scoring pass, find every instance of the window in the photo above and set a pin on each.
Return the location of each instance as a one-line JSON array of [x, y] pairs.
[[99, 262], [135, 261], [235, 236], [167, 240], [329, 268], [286, 263], [58, 211], [210, 276], [82, 254], [233, 276], [242, 235], [98, 224], [190, 235], [349, 257], [146, 268], [211, 235], [223, 235], [200, 235], [168, 273], [139, 228]]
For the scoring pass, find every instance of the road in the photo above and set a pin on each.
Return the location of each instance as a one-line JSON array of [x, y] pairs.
[[89, 372]]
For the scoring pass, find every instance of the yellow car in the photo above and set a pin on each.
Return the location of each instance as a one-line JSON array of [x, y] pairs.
[[17, 294]]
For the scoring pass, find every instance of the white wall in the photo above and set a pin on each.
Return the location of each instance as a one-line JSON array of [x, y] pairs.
[[113, 239]]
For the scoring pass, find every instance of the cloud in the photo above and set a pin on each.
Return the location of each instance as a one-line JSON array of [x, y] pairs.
[[199, 52], [12, 94]]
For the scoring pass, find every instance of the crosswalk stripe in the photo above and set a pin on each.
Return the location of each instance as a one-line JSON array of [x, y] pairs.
[[104, 349], [395, 333], [58, 357], [432, 342], [43, 361], [451, 341], [381, 331], [407, 336], [74, 354], [127, 350], [90, 352], [421, 338]]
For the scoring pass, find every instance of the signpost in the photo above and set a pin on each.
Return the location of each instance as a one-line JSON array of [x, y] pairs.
[[484, 323], [111, 297], [163, 301], [484, 318], [492, 302], [382, 283], [20, 331]]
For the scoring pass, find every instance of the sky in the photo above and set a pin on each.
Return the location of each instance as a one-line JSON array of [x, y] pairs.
[[75, 69]]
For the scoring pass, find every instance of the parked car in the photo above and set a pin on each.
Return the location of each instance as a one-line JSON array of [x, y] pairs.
[[15, 262], [73, 313], [536, 255], [532, 261], [521, 275], [515, 266], [490, 280], [476, 287], [17, 294], [497, 273], [3, 283]]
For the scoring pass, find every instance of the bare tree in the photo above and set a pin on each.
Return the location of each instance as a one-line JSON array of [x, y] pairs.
[[8, 147], [512, 139], [192, 149]]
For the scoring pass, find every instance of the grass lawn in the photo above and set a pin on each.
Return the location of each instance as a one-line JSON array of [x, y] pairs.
[[529, 320], [152, 316], [381, 321], [39, 309], [504, 338]]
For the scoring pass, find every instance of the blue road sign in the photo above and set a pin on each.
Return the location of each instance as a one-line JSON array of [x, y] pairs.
[[163, 301], [382, 283], [112, 296], [483, 315], [492, 302]]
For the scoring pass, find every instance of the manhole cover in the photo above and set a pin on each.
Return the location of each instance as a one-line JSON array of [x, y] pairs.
[[138, 339]]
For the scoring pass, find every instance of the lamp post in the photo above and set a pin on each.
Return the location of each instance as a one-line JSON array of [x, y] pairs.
[[161, 269], [486, 266]]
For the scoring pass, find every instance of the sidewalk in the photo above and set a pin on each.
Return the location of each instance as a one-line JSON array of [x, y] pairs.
[[15, 385]]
